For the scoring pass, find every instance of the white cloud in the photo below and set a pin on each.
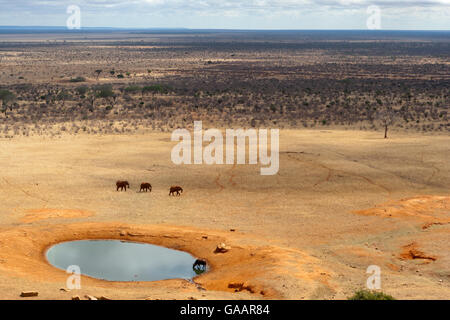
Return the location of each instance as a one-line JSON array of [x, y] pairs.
[[136, 12]]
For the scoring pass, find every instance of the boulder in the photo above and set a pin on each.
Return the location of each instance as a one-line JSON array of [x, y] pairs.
[[222, 248]]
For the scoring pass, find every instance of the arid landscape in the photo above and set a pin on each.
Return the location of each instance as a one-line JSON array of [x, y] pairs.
[[80, 111]]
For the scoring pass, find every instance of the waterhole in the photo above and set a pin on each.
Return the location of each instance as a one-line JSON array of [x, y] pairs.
[[116, 260]]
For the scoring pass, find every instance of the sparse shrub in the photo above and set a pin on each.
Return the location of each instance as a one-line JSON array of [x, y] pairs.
[[133, 89], [78, 79], [7, 97], [82, 90], [157, 88], [104, 91], [370, 295]]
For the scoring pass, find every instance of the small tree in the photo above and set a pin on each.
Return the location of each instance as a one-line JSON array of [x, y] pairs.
[[63, 95], [82, 90], [6, 97], [98, 72], [386, 116], [106, 92]]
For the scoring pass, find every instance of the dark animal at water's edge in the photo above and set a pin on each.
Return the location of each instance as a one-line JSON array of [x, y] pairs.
[[146, 187], [175, 190], [122, 185], [199, 266]]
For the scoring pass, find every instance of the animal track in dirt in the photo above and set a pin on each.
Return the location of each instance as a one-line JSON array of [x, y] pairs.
[[332, 171], [24, 191], [435, 169], [217, 182], [230, 180], [232, 176]]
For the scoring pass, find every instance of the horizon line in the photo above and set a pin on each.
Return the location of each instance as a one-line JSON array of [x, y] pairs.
[[209, 29]]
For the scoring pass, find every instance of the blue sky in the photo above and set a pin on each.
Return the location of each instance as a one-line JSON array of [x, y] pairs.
[[230, 14]]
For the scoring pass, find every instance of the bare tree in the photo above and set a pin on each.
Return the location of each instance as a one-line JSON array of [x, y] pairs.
[[386, 116], [98, 73]]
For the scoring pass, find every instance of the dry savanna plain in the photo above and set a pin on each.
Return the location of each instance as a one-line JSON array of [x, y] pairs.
[[81, 110]]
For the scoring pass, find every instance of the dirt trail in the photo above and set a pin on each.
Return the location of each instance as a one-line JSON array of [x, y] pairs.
[[217, 182], [24, 191], [333, 171], [230, 180]]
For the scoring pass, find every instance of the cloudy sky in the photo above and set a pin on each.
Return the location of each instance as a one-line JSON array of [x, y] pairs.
[[230, 14]]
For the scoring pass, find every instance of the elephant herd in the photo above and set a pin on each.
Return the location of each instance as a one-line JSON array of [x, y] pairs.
[[147, 187]]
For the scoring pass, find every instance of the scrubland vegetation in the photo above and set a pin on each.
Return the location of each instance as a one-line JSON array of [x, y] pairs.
[[129, 85]]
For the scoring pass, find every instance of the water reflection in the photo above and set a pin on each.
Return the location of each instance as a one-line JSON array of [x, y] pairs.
[[116, 260]]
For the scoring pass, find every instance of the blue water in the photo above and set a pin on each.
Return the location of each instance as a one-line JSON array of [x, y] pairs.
[[116, 260]]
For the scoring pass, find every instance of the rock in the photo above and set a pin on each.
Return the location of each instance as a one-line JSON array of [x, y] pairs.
[[232, 230], [123, 233], [170, 236], [76, 298], [64, 290], [239, 286], [103, 298], [205, 237], [135, 234], [222, 248], [235, 285], [90, 297], [29, 294]]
